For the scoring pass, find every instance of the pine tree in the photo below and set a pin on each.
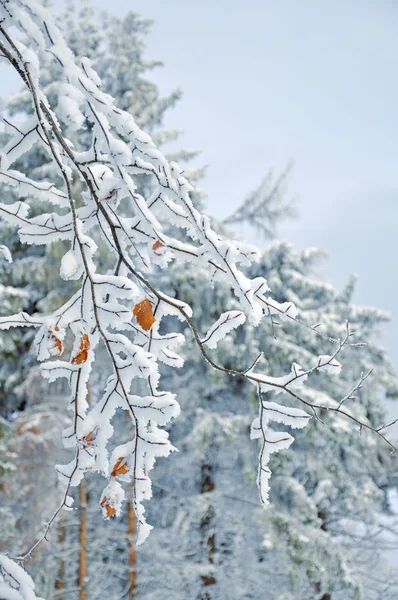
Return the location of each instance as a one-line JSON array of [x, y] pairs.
[[337, 477]]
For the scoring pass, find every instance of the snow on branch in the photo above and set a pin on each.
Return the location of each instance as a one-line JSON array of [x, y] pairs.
[[273, 441], [228, 321], [123, 310], [15, 583]]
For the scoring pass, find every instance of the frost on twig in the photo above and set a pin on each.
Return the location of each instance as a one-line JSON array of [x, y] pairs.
[[272, 441], [122, 310]]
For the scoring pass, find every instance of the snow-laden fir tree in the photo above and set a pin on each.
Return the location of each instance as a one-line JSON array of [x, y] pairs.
[[7, 520], [323, 525], [123, 311]]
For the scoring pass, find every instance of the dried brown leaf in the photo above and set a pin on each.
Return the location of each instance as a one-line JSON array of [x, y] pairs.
[[110, 510], [82, 354], [144, 315], [119, 468], [89, 438], [55, 345], [157, 245]]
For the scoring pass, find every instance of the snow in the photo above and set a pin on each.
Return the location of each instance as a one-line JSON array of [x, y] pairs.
[[292, 381], [329, 364], [71, 265], [6, 253], [227, 322], [16, 584], [100, 307], [273, 441], [112, 499], [293, 417], [69, 100]]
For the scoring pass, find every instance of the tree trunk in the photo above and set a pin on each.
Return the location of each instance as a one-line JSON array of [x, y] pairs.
[[322, 517], [132, 553], [60, 581], [325, 596], [83, 499], [132, 532], [207, 527], [82, 573]]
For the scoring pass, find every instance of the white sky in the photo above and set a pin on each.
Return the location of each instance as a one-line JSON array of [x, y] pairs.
[[269, 80]]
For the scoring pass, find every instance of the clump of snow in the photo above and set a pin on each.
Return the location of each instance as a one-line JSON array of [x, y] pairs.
[[71, 265], [295, 379], [329, 364], [6, 253], [273, 441], [15, 583]]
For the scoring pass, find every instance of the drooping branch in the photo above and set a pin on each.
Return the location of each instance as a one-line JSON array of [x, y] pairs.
[[123, 311]]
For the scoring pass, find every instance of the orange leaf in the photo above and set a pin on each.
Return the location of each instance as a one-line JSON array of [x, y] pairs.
[[80, 358], [59, 346], [55, 345], [110, 510], [143, 313], [34, 430], [119, 468], [82, 354], [157, 245], [85, 342], [89, 438]]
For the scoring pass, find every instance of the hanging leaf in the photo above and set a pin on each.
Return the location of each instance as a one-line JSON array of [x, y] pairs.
[[82, 355], [89, 438], [144, 315], [110, 511], [55, 345], [119, 468], [112, 499], [155, 247]]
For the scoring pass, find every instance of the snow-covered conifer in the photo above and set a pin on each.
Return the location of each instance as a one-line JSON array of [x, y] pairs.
[[326, 495]]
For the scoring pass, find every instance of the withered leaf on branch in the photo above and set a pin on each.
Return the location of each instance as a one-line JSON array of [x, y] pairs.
[[82, 354], [155, 247], [144, 315], [120, 468], [89, 438], [55, 345], [110, 510]]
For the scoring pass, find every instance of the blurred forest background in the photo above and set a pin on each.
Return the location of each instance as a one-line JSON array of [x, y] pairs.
[[331, 530]]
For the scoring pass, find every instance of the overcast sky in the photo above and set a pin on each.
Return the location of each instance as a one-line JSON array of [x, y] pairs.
[[265, 81]]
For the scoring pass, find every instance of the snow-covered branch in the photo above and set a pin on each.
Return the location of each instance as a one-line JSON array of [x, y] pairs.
[[123, 308], [15, 583]]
